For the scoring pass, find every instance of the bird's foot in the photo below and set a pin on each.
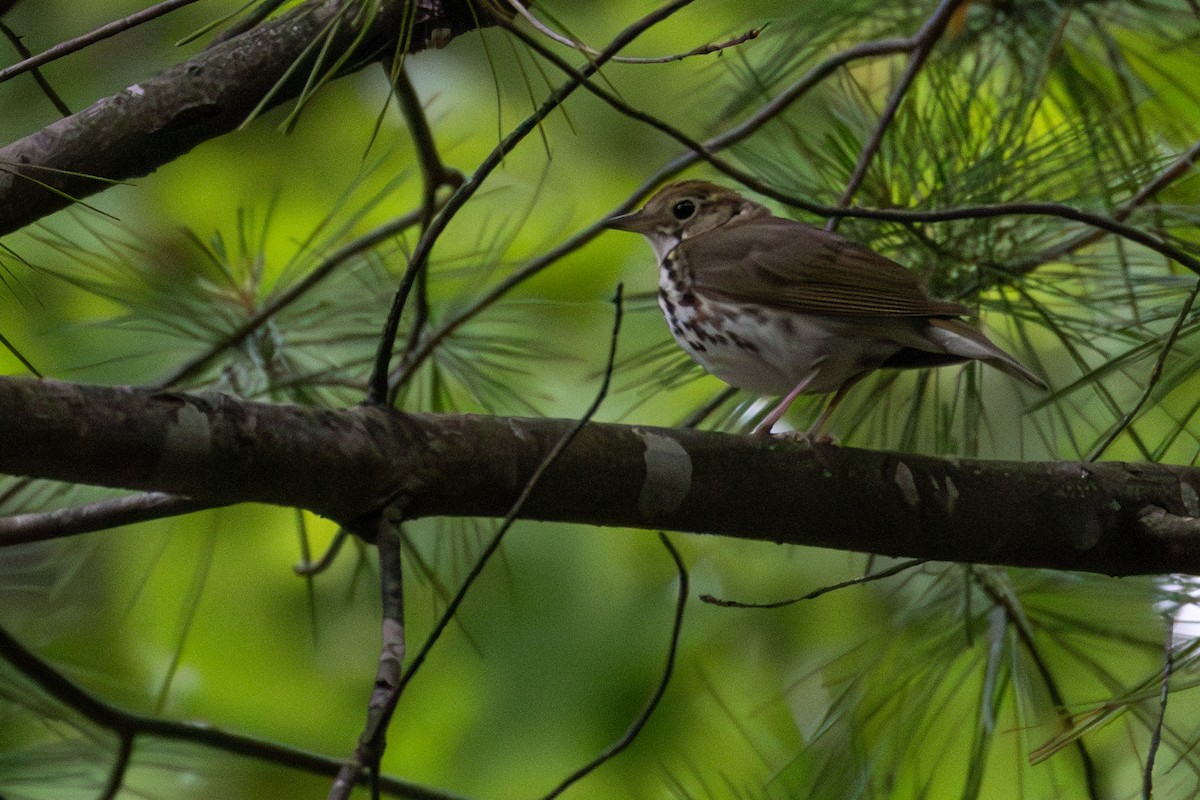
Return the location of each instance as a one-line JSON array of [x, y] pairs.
[[808, 437]]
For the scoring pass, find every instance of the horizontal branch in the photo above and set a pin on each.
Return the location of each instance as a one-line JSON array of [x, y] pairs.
[[1113, 518], [154, 121]]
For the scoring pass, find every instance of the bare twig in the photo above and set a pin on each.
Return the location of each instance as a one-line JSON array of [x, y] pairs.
[[707, 151], [434, 172], [511, 517], [46, 88], [702, 413], [1015, 209], [434, 175], [25, 362], [703, 49], [120, 766], [309, 568], [1000, 596], [1180, 167], [103, 32], [373, 740], [927, 37], [379, 391], [260, 12], [98, 516], [1156, 734], [1155, 375], [293, 293], [874, 576], [127, 724], [664, 680]]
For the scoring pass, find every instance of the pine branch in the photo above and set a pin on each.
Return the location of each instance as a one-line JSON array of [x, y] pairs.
[[154, 121], [1111, 518]]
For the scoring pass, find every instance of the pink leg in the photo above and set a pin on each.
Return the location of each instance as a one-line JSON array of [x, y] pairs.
[[764, 428], [812, 432]]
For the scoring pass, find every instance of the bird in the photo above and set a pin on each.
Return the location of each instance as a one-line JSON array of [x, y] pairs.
[[777, 307]]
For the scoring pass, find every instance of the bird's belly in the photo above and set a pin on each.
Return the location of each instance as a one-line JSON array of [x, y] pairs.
[[771, 352]]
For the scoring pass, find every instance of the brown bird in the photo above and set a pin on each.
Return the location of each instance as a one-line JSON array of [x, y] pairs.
[[779, 307]]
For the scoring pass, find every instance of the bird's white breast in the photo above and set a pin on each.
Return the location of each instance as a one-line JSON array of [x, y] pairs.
[[771, 351]]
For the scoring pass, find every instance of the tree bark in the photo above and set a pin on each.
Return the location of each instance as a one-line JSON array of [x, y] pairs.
[[154, 121], [1112, 518]]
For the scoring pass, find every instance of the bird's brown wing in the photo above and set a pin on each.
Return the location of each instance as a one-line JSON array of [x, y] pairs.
[[796, 267]]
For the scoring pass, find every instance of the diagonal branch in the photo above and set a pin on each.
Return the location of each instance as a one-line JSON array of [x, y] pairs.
[[154, 121], [664, 680], [98, 516], [129, 726], [30, 62], [707, 152], [927, 37], [37, 74], [379, 391], [382, 705], [1178, 168]]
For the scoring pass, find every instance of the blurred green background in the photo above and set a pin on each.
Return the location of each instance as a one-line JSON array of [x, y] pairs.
[[935, 683]]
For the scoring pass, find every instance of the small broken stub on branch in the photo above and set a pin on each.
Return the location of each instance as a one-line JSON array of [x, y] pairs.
[[436, 22]]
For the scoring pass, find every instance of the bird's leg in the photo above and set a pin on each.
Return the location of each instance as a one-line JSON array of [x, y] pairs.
[[764, 428], [811, 433]]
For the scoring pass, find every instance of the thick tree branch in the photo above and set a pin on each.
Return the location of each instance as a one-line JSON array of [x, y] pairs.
[[154, 121], [1064, 515]]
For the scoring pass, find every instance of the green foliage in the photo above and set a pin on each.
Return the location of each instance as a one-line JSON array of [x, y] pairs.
[[940, 682]]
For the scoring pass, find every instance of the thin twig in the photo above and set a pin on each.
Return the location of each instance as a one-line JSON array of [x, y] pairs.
[[309, 568], [260, 12], [1004, 599], [125, 723], [434, 175], [702, 413], [103, 32], [101, 515], [490, 549], [46, 88], [668, 669], [990, 210], [1155, 375], [11, 348], [120, 767], [382, 705], [293, 293], [434, 172], [1180, 167], [703, 49], [1156, 734], [707, 151], [701, 151], [927, 37], [379, 392], [874, 576]]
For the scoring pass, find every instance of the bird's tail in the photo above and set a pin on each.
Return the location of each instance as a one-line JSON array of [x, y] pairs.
[[960, 339]]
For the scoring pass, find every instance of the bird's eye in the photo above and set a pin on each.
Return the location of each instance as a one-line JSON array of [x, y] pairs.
[[683, 209]]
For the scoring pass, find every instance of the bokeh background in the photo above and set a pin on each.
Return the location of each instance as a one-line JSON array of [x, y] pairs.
[[938, 682]]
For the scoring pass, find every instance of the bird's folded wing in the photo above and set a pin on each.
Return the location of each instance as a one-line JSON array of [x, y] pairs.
[[791, 266]]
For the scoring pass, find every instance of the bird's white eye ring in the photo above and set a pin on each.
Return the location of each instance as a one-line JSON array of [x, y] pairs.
[[683, 209]]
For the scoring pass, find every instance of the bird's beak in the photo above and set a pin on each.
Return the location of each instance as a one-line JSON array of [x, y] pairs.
[[635, 222]]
